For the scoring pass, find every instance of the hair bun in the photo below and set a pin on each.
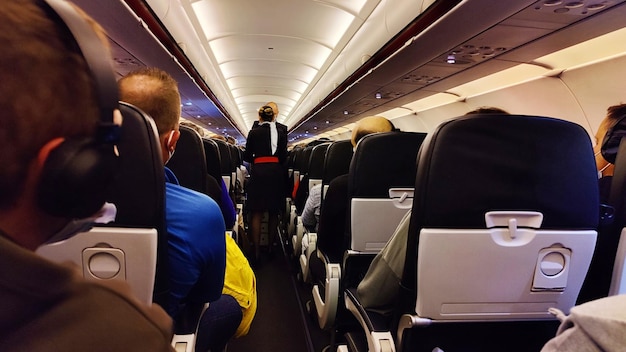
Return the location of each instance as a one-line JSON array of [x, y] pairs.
[[266, 113]]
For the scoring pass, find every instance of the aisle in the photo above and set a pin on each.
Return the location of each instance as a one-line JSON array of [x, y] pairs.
[[278, 324]]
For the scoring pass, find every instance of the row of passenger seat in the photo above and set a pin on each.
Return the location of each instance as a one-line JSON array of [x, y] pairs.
[[503, 227], [134, 247]]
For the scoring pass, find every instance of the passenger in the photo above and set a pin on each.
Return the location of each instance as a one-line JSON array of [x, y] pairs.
[[311, 212], [486, 110], [335, 205], [195, 225], [240, 282], [193, 126], [48, 306], [266, 149], [613, 115], [593, 326], [379, 289]]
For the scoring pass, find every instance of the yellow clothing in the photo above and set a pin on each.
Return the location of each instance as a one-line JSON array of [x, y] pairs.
[[240, 282]]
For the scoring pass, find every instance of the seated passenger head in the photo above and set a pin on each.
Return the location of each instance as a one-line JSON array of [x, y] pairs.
[[370, 124], [613, 115], [156, 93], [486, 110], [193, 126], [266, 113], [47, 97]]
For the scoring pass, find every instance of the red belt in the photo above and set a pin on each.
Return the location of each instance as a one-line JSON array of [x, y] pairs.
[[266, 159]]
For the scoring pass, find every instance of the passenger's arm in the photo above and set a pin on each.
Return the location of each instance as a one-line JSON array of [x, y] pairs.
[[308, 213], [197, 247], [227, 207]]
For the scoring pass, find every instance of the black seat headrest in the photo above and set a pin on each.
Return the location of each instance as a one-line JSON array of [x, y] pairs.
[[316, 162], [477, 163], [212, 155], [189, 162], [337, 160], [382, 161]]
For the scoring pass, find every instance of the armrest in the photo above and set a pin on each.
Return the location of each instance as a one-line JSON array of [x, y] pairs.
[[291, 228], [186, 342], [376, 327], [304, 257], [327, 311], [297, 237]]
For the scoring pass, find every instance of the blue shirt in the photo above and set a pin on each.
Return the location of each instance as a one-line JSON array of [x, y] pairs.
[[227, 207], [196, 245]]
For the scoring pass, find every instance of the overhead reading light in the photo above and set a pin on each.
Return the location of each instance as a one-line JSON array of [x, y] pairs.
[[314, 127], [451, 59], [345, 112], [379, 95], [327, 122]]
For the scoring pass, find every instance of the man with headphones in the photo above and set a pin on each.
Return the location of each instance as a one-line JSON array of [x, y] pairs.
[[58, 129]]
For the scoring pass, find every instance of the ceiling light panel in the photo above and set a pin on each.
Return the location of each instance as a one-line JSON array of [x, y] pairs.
[[311, 20], [267, 84], [267, 47], [274, 52]]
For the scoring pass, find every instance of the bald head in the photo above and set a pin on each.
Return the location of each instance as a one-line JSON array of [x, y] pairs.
[[370, 124]]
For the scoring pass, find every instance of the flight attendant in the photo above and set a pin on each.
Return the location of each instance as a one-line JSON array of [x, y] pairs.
[[266, 151]]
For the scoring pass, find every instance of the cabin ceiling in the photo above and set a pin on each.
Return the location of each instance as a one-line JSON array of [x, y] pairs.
[[320, 60]]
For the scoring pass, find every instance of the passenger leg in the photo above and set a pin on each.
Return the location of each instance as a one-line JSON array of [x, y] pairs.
[[218, 324]]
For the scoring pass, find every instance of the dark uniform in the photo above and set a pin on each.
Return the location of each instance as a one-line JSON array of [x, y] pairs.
[[266, 188]]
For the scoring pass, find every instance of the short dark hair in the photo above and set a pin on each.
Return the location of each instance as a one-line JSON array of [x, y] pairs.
[[614, 114], [487, 110], [46, 90]]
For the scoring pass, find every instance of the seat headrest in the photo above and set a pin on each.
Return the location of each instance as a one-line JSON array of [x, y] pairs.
[[213, 160], [189, 162], [337, 161], [316, 162], [226, 165], [382, 161], [612, 138], [478, 163]]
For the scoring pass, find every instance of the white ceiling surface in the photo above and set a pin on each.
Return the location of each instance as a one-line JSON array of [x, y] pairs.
[[292, 52]]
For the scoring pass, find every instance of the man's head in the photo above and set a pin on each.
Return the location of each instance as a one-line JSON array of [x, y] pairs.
[[487, 110], [370, 124], [156, 93], [613, 115], [47, 96]]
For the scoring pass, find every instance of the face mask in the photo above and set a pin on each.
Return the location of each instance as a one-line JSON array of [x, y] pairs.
[[602, 169], [171, 151], [106, 214]]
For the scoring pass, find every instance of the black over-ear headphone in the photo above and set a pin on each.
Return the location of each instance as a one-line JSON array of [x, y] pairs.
[[77, 174]]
